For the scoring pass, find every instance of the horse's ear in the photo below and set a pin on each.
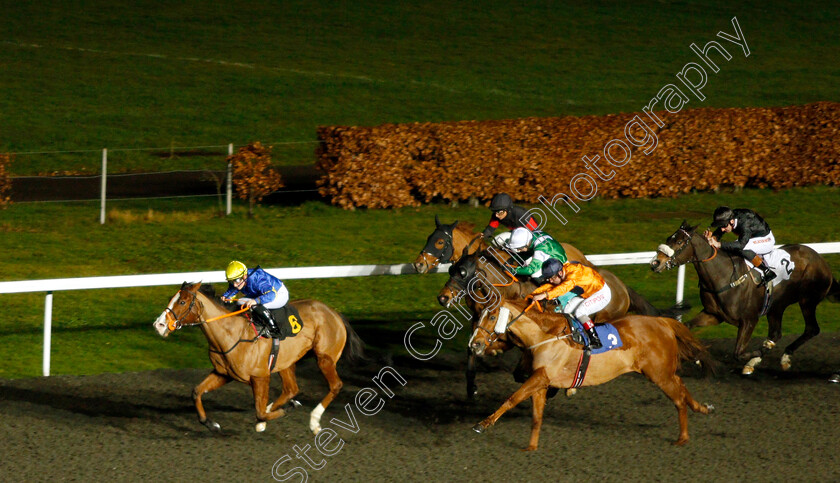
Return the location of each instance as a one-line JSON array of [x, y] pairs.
[[692, 228], [183, 285], [452, 226], [437, 221], [466, 251]]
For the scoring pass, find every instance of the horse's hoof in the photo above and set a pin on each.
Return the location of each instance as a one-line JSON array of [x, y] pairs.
[[710, 408], [315, 429], [260, 427], [785, 362], [529, 448], [835, 378], [268, 408], [747, 371], [212, 426], [294, 403], [478, 428], [571, 392], [680, 442]]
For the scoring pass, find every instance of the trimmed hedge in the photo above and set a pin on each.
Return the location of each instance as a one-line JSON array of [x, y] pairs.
[[396, 165]]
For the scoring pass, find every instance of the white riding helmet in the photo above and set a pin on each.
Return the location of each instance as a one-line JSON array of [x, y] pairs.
[[520, 238]]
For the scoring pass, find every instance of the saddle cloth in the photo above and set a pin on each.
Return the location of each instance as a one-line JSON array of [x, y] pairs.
[[780, 262], [288, 320], [606, 332]]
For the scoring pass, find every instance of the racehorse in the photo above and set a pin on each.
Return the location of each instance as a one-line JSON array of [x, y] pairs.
[[477, 279], [237, 353], [653, 346], [726, 298], [447, 242]]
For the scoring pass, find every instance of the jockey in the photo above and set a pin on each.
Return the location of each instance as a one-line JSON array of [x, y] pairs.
[[533, 249], [579, 290], [754, 237], [508, 214], [262, 292]]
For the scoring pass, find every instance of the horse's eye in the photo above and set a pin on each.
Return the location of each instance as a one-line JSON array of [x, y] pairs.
[[463, 273], [182, 302], [440, 243]]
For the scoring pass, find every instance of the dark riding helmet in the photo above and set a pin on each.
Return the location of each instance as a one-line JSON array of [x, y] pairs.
[[501, 202], [550, 268], [722, 216]]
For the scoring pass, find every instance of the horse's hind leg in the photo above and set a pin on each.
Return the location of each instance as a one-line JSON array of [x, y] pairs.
[[327, 366], [290, 388], [213, 381], [259, 386], [812, 328], [673, 387], [472, 389]]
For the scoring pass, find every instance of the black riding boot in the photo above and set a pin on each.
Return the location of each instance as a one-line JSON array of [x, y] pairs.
[[267, 318], [767, 273], [594, 340]]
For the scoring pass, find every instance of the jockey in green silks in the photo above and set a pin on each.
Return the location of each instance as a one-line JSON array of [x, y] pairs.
[[533, 249]]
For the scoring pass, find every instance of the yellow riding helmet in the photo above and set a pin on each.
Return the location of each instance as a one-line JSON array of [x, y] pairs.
[[235, 270]]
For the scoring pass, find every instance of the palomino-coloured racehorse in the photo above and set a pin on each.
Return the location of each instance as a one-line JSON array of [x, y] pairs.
[[238, 354], [653, 346], [810, 282]]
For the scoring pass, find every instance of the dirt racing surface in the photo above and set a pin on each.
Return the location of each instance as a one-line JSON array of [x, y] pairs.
[[774, 426]]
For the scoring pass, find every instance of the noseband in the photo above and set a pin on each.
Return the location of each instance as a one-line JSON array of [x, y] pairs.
[[673, 254], [175, 322]]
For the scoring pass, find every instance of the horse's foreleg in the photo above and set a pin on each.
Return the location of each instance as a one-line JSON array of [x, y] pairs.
[[327, 366], [259, 386], [537, 407], [745, 330], [213, 381], [472, 389], [538, 380], [290, 388]]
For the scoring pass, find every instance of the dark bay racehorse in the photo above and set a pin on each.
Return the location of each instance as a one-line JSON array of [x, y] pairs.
[[238, 354], [653, 346], [809, 283]]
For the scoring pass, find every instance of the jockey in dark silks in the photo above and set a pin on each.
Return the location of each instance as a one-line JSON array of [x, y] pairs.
[[509, 215], [755, 239], [261, 292]]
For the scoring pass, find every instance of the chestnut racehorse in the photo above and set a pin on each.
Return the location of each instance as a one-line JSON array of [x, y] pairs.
[[238, 354], [653, 346], [741, 305], [447, 243]]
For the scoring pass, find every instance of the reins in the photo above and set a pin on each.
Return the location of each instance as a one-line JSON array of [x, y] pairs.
[[177, 324]]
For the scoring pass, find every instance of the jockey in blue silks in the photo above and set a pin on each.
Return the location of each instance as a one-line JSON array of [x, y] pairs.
[[260, 291]]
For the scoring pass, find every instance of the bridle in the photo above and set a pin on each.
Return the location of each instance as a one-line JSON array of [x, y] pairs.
[[445, 253], [173, 322], [673, 254]]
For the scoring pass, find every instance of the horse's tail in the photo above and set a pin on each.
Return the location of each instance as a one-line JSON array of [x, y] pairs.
[[354, 349], [641, 306], [834, 291], [691, 349]]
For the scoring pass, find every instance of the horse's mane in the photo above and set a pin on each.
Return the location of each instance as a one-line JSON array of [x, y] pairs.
[[466, 227]]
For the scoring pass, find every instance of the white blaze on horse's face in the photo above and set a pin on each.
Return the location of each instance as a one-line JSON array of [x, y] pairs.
[[161, 324]]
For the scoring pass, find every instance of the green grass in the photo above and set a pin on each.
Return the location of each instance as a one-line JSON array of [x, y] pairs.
[[110, 330], [94, 75]]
